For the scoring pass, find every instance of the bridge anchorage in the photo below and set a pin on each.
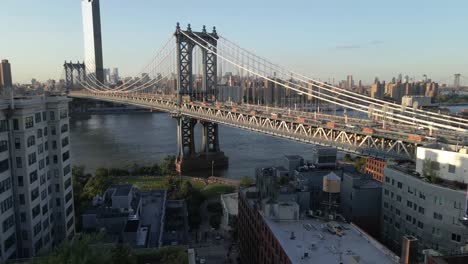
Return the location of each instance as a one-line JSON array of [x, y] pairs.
[[210, 156]]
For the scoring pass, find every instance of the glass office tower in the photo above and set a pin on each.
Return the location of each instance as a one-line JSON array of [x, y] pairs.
[[92, 39]]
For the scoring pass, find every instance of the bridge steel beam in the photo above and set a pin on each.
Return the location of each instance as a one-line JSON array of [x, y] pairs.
[[311, 131]]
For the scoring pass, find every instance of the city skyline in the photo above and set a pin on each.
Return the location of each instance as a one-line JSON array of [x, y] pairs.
[[363, 39]]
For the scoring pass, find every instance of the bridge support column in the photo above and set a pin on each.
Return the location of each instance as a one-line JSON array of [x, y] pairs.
[[210, 156]]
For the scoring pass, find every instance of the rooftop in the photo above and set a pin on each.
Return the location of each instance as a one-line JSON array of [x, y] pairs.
[[313, 242], [230, 202], [409, 168]]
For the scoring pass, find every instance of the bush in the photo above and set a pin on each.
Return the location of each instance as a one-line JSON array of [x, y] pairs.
[[245, 181], [215, 221], [215, 208]]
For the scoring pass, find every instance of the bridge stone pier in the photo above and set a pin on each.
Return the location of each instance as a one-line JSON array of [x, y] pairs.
[[210, 155]]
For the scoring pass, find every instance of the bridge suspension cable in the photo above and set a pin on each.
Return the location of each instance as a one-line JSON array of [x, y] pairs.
[[340, 91], [333, 100]]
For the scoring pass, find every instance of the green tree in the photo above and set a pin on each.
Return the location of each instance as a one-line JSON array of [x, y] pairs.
[[360, 164], [122, 254], [429, 170], [245, 181], [168, 166], [97, 184], [80, 251]]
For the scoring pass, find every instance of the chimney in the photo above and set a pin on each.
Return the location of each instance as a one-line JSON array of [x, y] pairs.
[[409, 250]]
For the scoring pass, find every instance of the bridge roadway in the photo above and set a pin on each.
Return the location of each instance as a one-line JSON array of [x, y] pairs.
[[359, 136]]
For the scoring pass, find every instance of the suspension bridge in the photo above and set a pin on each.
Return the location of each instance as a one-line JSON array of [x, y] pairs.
[[203, 77]]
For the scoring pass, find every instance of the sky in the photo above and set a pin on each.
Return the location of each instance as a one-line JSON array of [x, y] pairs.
[[321, 39]]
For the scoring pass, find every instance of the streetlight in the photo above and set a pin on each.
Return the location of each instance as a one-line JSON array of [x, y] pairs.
[[212, 168]]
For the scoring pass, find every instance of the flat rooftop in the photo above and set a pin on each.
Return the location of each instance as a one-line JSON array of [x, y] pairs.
[[230, 202], [321, 246]]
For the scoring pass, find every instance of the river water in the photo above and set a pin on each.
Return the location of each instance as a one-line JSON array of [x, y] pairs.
[[121, 140]]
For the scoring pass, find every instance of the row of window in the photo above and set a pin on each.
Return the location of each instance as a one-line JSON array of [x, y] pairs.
[[6, 204], [8, 223], [5, 185]]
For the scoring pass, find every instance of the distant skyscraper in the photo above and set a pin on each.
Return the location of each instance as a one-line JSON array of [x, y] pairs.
[[5, 74], [92, 38], [115, 75], [349, 82]]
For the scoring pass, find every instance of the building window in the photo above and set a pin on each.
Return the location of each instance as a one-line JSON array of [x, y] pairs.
[[386, 192], [456, 237], [387, 179], [421, 210], [34, 194], [40, 148], [31, 141], [32, 158], [52, 115], [45, 131], [437, 216], [397, 211], [44, 116], [63, 113], [6, 204], [409, 204], [17, 143], [32, 177], [4, 165], [399, 185], [3, 145], [38, 117], [36, 211], [10, 242], [21, 199], [65, 156], [66, 170], [408, 218], [39, 133], [64, 128], [15, 124], [420, 225], [53, 131], [64, 142], [29, 122], [398, 198], [55, 159], [422, 196], [8, 223], [3, 125], [20, 181], [54, 144], [451, 168], [19, 163], [23, 217], [5, 185]]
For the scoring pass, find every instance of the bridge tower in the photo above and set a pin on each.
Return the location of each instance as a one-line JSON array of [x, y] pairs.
[[69, 68], [210, 155]]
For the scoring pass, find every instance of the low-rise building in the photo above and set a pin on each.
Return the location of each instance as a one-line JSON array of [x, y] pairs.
[[230, 210], [125, 212], [428, 208], [273, 233]]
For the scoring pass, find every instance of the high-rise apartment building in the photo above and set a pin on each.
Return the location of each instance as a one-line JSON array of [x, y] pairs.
[[35, 176], [92, 38], [5, 74]]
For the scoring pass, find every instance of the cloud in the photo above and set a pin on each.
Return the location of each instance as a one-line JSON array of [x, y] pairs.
[[348, 47]]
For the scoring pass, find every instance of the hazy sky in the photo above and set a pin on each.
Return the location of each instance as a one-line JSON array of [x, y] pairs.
[[325, 39]]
